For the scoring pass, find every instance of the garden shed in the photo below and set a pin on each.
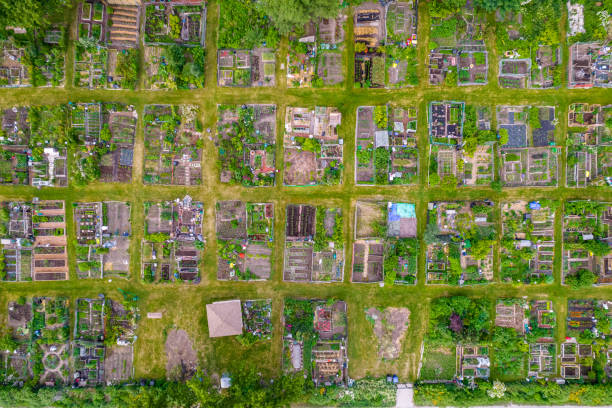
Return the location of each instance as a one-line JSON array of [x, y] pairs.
[[224, 318]]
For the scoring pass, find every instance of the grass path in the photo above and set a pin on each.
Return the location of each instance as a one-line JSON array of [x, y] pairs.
[[183, 306]]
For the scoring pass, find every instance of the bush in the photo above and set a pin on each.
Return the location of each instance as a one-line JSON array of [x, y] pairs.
[[583, 278]]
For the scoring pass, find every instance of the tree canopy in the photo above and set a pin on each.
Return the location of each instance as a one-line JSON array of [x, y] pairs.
[[289, 14], [29, 14], [502, 5]]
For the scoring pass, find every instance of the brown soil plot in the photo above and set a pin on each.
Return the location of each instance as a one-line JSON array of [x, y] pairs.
[[182, 360], [390, 327]]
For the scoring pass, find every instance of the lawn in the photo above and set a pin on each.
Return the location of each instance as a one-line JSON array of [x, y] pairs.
[[438, 363]]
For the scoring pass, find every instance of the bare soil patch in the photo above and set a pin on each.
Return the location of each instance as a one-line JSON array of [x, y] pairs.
[[118, 364], [182, 360], [300, 167], [368, 213], [390, 327]]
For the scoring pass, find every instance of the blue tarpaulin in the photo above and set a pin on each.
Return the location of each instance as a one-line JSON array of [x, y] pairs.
[[401, 210]]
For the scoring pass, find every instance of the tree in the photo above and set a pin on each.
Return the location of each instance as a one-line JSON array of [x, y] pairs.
[[503, 136], [7, 343], [481, 248], [449, 182], [380, 116], [360, 47], [30, 14], [105, 133], [286, 15], [442, 8]]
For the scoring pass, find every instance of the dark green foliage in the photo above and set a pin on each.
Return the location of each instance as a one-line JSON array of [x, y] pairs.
[[286, 15], [242, 24], [531, 393], [442, 8], [299, 317], [502, 5], [540, 25], [469, 319], [510, 351], [30, 14], [583, 278]]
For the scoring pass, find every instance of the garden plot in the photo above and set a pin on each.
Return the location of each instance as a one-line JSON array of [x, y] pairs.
[[88, 347], [457, 326], [577, 361], [469, 162], [92, 21], [13, 72], [106, 54], [528, 241], [587, 251], [386, 145], [90, 65], [257, 321], [50, 259], [313, 148], [585, 115], [590, 56], [369, 33], [47, 162], [246, 68], [472, 67], [174, 35], [179, 22], [120, 326], [315, 338], [445, 122], [460, 238], [316, 53], [542, 360], [529, 47], [17, 240], [106, 131], [314, 244], [50, 341], [245, 237], [589, 151], [529, 158], [103, 231], [174, 67], [547, 70], [33, 59], [457, 51], [246, 137], [15, 126], [542, 322], [588, 159], [390, 326], [473, 361], [173, 242], [400, 48], [246, 44], [16, 363], [173, 145], [122, 70], [385, 246], [590, 65], [14, 146], [585, 355]]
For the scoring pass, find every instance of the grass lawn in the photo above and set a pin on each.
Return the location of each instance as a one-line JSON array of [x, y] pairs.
[[438, 363]]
